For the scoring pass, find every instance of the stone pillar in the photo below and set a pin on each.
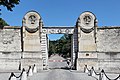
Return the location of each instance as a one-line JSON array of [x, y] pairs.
[[87, 32], [31, 39], [86, 25]]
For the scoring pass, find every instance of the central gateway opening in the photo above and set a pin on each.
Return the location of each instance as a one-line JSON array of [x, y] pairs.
[[59, 51], [60, 44], [59, 41]]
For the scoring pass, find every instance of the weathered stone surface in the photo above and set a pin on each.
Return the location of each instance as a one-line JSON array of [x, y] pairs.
[[87, 42], [31, 31], [10, 40], [109, 65], [81, 62], [87, 55], [10, 55], [26, 62], [108, 40], [32, 55], [9, 64], [108, 50], [86, 32], [31, 41]]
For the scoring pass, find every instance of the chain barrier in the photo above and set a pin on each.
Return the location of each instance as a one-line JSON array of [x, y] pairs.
[[99, 76], [23, 75], [14, 76]]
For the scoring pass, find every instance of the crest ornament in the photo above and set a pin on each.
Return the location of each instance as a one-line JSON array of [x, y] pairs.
[[87, 22], [31, 21]]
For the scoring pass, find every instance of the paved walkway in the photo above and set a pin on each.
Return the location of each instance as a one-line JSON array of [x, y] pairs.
[[60, 74], [58, 71]]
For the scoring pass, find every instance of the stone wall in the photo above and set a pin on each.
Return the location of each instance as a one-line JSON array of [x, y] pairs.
[[108, 39], [107, 56], [31, 58], [10, 61], [87, 58], [10, 48], [11, 56], [10, 39], [108, 46], [26, 62], [109, 61]]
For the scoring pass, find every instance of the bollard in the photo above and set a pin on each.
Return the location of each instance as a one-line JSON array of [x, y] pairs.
[[12, 77], [86, 70], [103, 77], [24, 75], [19, 66], [93, 73], [34, 69], [30, 73]]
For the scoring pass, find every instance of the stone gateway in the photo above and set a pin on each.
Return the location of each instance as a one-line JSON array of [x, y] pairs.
[[28, 45]]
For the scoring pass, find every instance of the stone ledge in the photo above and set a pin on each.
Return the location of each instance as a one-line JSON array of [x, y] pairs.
[[11, 27], [108, 27]]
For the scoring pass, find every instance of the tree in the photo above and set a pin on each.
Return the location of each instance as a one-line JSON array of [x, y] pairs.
[[66, 45], [61, 46], [9, 4], [3, 23]]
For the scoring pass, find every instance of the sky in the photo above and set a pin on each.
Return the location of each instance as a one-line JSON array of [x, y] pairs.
[[64, 12]]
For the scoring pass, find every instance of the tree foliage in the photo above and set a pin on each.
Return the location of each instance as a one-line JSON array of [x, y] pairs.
[[9, 4], [61, 46], [3, 23]]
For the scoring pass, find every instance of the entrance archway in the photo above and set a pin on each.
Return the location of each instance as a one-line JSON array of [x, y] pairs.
[[35, 40], [56, 30]]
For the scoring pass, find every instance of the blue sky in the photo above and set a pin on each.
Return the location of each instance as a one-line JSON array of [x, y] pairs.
[[65, 12]]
